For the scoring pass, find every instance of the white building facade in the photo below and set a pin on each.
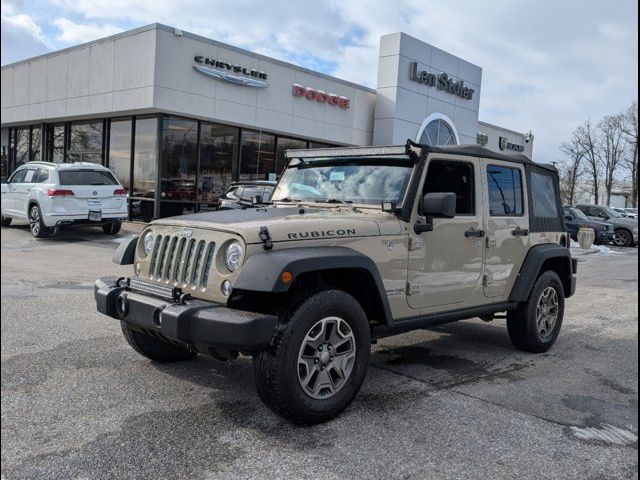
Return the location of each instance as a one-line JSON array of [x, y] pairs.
[[178, 117]]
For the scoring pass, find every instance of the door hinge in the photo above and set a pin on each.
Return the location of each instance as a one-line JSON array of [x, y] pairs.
[[485, 280], [408, 287]]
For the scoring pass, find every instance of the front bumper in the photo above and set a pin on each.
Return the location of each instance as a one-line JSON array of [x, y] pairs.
[[201, 325], [603, 236]]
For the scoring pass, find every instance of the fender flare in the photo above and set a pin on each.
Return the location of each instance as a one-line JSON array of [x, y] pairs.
[[126, 252], [532, 264], [262, 272]]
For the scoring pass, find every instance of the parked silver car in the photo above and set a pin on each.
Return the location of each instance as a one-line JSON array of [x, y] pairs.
[[625, 229]]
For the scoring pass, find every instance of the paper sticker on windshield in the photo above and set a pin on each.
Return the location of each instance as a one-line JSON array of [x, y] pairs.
[[336, 176]]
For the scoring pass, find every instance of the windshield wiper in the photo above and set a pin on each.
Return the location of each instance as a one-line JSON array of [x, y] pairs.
[[343, 202]]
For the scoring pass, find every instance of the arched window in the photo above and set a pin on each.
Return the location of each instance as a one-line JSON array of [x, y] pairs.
[[437, 129]]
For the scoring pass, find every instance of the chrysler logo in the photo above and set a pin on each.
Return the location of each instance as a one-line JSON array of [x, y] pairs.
[[227, 77], [186, 232]]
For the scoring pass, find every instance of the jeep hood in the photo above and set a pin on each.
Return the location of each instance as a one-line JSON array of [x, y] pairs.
[[288, 224]]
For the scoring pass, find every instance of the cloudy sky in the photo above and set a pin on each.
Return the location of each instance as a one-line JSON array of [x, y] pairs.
[[547, 65]]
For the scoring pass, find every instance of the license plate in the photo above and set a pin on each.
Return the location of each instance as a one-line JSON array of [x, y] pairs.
[[95, 216], [94, 202]]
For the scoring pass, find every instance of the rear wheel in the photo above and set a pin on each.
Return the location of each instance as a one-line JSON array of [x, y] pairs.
[[111, 228], [535, 325], [622, 238], [36, 224], [156, 350], [318, 360], [6, 221]]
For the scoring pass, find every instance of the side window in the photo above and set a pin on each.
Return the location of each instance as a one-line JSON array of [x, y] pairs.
[[18, 176], [505, 191], [28, 177], [543, 199], [42, 175], [456, 177]]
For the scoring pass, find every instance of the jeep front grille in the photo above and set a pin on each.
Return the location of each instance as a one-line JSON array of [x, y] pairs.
[[181, 261]]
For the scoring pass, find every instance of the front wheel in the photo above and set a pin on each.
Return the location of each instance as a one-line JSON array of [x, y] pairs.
[[622, 238], [318, 360], [535, 325]]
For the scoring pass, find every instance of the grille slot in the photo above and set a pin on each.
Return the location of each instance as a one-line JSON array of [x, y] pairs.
[[182, 262]]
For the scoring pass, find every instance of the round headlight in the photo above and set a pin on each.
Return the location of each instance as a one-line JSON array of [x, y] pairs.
[[233, 256], [147, 243]]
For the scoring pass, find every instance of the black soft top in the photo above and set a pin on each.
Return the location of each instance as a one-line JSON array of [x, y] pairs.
[[477, 151]]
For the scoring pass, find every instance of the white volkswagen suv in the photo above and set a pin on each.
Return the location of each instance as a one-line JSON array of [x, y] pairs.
[[48, 195]]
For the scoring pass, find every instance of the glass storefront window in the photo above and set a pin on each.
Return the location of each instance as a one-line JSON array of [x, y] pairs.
[[55, 147], [144, 158], [120, 151], [218, 148], [256, 155], [179, 157], [22, 146], [4, 159], [286, 144], [85, 142], [36, 144]]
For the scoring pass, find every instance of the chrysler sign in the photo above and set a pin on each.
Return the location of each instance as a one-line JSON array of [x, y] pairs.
[[225, 71], [320, 96], [442, 81]]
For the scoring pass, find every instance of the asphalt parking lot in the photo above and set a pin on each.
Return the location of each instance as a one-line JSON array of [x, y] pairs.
[[454, 402]]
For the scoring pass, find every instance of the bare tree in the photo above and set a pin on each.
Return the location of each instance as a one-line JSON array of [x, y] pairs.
[[587, 140], [572, 169], [611, 143], [630, 131]]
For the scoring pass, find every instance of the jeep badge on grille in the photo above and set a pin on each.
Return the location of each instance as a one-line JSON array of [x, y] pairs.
[[186, 232]]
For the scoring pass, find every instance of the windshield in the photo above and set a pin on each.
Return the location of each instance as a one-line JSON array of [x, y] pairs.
[[611, 212], [579, 214], [362, 180]]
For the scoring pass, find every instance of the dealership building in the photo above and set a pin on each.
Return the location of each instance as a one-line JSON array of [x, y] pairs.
[[178, 117]]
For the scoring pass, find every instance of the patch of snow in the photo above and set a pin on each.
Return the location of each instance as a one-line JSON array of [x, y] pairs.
[[607, 433], [605, 250]]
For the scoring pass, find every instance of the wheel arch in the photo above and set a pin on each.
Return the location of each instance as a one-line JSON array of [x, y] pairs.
[[315, 268], [539, 259]]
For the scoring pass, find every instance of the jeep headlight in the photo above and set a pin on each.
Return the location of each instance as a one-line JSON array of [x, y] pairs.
[[233, 256], [147, 243]]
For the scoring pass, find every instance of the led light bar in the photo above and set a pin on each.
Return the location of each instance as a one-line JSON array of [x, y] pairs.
[[346, 151], [152, 288]]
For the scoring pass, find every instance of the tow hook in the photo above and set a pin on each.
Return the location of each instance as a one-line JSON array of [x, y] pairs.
[[265, 237]]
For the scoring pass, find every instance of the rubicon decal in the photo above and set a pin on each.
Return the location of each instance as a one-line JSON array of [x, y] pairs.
[[320, 96], [340, 232]]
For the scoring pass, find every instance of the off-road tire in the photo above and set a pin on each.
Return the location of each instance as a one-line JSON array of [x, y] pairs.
[[276, 369], [154, 349], [111, 228], [5, 221], [622, 238], [36, 224], [521, 322]]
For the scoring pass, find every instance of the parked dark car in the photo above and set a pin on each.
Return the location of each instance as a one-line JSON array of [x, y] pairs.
[[576, 219], [240, 194], [625, 229]]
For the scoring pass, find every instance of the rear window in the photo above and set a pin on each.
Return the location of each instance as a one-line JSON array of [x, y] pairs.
[[505, 191], [86, 177]]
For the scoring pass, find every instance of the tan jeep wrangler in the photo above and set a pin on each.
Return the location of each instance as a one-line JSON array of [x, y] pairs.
[[355, 244]]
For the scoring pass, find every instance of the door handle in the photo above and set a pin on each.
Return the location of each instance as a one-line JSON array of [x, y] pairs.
[[520, 232], [472, 232]]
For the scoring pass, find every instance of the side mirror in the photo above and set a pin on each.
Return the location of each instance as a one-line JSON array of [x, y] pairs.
[[441, 205]]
